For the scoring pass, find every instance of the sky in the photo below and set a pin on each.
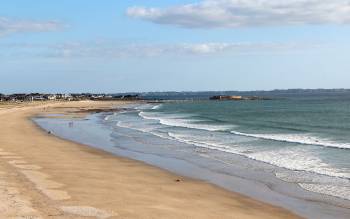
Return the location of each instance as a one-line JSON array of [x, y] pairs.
[[173, 45]]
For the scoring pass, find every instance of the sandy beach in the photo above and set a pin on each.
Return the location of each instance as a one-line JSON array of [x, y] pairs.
[[43, 176]]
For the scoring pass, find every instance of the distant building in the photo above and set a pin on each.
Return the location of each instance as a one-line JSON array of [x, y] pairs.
[[2, 97], [51, 97]]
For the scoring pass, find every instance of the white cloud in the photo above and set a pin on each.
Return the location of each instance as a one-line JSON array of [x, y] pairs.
[[111, 50], [247, 13], [10, 26]]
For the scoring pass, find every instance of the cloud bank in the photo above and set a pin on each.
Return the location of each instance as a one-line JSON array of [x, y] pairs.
[[10, 26], [155, 50], [111, 50], [247, 13]]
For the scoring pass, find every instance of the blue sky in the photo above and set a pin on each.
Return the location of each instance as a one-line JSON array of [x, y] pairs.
[[177, 45]]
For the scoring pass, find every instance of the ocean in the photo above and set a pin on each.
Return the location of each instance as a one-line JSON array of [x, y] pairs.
[[308, 137], [295, 142]]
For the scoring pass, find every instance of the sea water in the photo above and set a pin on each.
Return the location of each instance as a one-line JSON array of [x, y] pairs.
[[309, 137]]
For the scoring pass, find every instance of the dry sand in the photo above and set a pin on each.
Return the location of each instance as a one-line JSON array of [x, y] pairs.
[[42, 176]]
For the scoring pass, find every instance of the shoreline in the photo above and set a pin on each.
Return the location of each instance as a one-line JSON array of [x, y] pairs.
[[254, 179], [123, 188]]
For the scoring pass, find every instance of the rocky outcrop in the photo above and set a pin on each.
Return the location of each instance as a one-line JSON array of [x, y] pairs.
[[238, 98]]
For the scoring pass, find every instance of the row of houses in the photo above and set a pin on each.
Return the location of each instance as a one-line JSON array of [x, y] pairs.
[[22, 97], [66, 97]]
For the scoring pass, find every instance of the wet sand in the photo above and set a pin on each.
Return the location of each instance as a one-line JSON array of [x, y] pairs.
[[42, 176]]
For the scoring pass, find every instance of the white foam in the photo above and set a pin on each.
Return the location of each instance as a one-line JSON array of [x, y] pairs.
[[310, 178], [182, 121], [143, 106], [208, 145], [336, 191], [290, 158], [149, 130], [333, 186], [157, 107], [128, 125], [297, 159], [296, 138]]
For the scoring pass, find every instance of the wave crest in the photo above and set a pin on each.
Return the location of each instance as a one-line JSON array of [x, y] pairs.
[[296, 138]]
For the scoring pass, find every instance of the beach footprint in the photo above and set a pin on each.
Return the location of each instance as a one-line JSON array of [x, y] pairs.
[[12, 203], [87, 211], [41, 180], [47, 186]]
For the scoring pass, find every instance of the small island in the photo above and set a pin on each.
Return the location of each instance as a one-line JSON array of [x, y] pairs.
[[236, 98]]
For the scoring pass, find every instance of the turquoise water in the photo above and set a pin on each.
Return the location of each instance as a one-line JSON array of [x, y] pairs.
[[308, 139]]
